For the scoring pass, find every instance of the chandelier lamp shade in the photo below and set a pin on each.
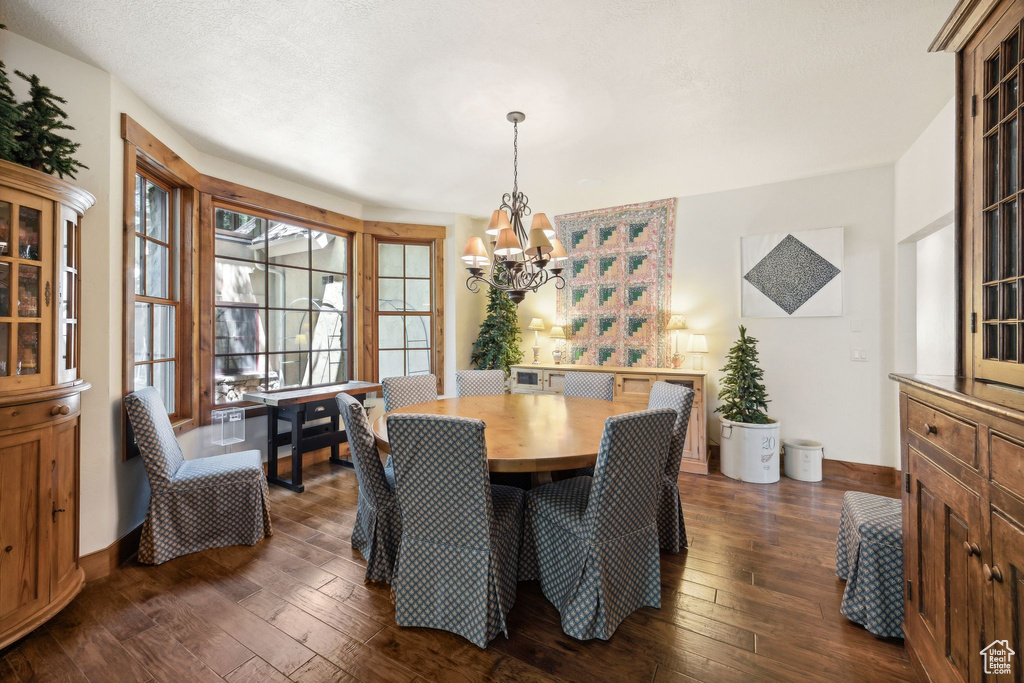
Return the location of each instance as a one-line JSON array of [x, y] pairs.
[[520, 261]]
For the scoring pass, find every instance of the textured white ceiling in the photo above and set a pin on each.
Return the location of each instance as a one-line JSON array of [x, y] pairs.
[[403, 102]]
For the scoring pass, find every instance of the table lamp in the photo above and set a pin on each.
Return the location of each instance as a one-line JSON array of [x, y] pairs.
[[536, 325], [676, 322], [557, 333], [698, 345]]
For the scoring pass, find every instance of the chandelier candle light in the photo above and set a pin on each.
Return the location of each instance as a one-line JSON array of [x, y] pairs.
[[514, 269]]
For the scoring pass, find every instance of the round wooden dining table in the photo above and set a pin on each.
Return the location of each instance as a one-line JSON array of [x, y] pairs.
[[535, 433]]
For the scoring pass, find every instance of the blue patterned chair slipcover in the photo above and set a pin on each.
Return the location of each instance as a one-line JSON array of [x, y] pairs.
[[589, 385], [408, 390], [480, 382], [378, 528], [593, 542], [869, 555], [671, 528], [457, 566], [194, 504]]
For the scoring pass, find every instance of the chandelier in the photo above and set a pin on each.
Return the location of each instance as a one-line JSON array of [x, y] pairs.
[[515, 269]]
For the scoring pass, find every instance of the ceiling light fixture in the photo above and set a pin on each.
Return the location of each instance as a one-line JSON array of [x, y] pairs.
[[515, 269]]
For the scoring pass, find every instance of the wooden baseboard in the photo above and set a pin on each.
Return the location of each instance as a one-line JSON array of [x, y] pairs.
[[102, 562]]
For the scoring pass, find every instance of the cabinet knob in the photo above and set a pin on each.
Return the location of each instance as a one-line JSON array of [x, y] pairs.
[[60, 410], [993, 573], [930, 429], [971, 549]]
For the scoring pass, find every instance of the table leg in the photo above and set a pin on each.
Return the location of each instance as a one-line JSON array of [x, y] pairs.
[[539, 479], [336, 448], [297, 423], [272, 442]]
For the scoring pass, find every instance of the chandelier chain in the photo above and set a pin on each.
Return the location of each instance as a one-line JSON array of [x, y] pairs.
[[515, 157]]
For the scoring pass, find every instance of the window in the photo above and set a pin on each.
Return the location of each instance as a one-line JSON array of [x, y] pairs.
[[282, 314], [156, 286], [404, 334]]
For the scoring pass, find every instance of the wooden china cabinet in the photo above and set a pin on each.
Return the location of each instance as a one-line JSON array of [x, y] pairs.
[[962, 443], [40, 220]]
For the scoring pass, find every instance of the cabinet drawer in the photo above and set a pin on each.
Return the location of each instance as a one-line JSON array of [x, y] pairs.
[[37, 413], [1006, 463], [956, 437], [633, 385]]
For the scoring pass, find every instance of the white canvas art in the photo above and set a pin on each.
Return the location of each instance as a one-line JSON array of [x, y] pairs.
[[792, 274]]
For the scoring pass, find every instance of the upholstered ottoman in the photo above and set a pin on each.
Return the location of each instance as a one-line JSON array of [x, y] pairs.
[[869, 555]]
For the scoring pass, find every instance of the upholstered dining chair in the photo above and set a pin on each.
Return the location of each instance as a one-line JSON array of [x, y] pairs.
[[458, 561], [378, 528], [593, 542], [407, 390], [671, 528], [589, 385], [480, 382], [194, 504]]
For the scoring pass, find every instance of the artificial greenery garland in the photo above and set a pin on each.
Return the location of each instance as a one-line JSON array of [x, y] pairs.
[[743, 397], [497, 345]]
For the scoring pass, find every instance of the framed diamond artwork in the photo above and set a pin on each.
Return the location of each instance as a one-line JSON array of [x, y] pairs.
[[795, 274]]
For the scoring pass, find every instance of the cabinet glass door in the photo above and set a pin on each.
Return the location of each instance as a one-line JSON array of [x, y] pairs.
[[26, 230], [68, 300]]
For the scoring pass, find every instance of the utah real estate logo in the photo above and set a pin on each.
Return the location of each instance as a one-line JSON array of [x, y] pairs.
[[997, 657]]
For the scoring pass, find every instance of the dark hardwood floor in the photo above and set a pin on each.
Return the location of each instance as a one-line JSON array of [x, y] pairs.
[[754, 598]]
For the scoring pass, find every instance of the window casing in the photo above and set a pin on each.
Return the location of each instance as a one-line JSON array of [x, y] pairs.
[[282, 303]]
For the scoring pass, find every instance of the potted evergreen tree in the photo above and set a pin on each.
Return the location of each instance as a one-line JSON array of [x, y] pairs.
[[497, 345], [750, 439]]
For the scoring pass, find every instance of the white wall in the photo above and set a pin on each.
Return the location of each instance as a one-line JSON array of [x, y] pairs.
[[936, 314], [817, 392]]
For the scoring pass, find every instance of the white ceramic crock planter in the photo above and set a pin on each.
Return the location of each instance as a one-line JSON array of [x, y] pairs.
[[750, 452]]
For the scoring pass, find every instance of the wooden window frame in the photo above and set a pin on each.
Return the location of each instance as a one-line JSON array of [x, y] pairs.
[[216, 193], [144, 153], [374, 234]]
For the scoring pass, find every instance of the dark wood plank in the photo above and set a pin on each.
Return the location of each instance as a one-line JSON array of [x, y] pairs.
[[167, 659]]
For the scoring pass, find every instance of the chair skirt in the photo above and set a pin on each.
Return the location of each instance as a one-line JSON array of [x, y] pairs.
[[377, 534], [671, 527]]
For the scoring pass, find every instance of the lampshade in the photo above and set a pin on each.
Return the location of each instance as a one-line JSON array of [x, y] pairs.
[[541, 222], [536, 324], [676, 322], [556, 332], [508, 244], [557, 251], [494, 226], [539, 244], [698, 343], [475, 254]]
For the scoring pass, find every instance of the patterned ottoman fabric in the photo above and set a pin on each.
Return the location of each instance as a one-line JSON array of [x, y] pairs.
[[593, 543], [869, 555], [194, 504]]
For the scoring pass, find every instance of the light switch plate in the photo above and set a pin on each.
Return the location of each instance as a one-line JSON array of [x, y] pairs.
[[860, 355]]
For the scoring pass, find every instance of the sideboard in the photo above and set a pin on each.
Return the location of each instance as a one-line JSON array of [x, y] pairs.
[[631, 384]]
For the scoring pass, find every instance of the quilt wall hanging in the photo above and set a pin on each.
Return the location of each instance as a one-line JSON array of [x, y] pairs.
[[796, 274], [617, 283]]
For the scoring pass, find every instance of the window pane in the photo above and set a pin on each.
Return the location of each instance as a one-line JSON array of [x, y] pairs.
[[418, 362], [238, 282], [143, 339], [28, 348], [390, 333], [157, 276], [236, 375], [417, 295], [163, 380], [329, 367], [140, 190], [28, 291], [389, 260], [140, 260], [142, 377], [288, 244], [28, 233], [238, 330], [5, 228], [417, 331], [157, 211], [5, 289], [330, 252], [417, 260], [329, 291], [291, 369], [5, 348], [238, 235], [390, 295], [1009, 246], [289, 330], [163, 332], [991, 246], [288, 288], [329, 330], [391, 363]]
